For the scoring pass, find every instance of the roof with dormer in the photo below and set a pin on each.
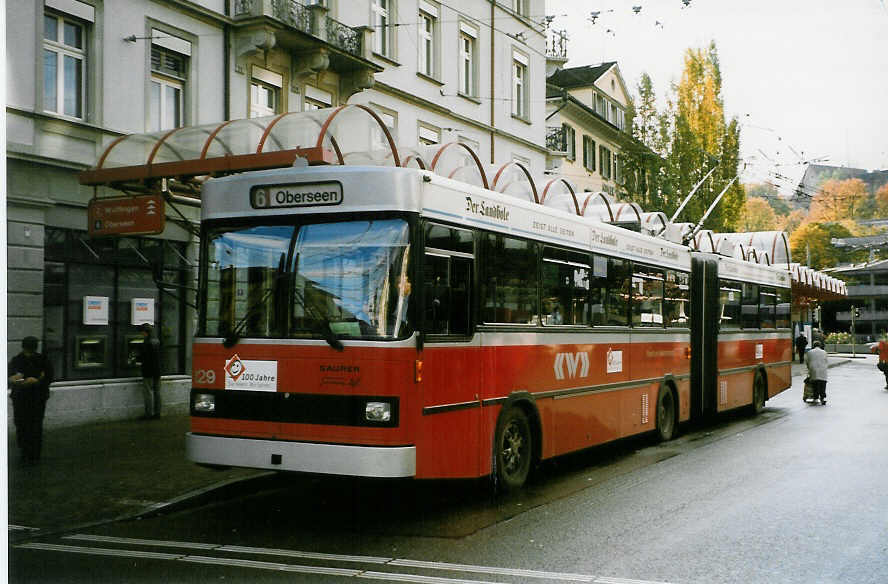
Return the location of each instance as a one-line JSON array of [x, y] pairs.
[[584, 76]]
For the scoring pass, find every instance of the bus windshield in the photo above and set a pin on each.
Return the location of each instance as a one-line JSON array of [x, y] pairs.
[[348, 278]]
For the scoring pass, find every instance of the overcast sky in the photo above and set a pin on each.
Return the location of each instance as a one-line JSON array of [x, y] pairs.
[[803, 75]]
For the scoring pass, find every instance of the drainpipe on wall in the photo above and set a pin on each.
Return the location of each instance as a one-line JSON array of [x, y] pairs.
[[492, 85]]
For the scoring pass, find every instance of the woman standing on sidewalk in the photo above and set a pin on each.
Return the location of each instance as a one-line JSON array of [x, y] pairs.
[[816, 360]]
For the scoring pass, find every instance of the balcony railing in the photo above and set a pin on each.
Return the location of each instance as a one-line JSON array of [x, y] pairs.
[[556, 139], [311, 20], [344, 37]]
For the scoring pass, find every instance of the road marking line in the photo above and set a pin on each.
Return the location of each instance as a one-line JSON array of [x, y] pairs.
[[306, 555], [98, 551], [396, 577], [493, 570], [608, 580], [151, 542], [21, 528], [271, 566], [394, 562]]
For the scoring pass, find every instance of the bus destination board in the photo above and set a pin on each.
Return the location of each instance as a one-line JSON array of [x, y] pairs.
[[296, 195]]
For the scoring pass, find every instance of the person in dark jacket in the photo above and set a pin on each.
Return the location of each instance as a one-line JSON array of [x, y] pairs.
[[800, 343], [29, 376], [150, 357]]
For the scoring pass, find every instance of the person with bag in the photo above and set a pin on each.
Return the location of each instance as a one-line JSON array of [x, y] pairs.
[[29, 376], [816, 361], [882, 349]]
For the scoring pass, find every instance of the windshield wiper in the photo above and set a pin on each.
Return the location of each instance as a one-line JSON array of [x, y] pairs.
[[235, 335], [326, 330]]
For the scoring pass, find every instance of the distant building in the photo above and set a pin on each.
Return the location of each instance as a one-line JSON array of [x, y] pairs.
[[868, 292], [586, 125]]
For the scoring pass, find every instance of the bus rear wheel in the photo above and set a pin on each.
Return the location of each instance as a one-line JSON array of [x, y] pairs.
[[758, 394], [665, 414], [512, 450]]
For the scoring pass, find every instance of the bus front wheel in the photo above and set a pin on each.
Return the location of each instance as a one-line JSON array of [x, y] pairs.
[[512, 449]]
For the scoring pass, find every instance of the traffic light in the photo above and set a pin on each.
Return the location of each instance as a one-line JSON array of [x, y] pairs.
[[856, 312]]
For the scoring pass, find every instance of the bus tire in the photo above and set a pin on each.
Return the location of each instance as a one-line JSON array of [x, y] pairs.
[[758, 394], [513, 450], [666, 414]]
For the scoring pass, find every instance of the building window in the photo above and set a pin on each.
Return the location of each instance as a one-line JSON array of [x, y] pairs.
[[589, 153], [120, 273], [64, 65], [168, 75], [519, 86], [600, 105], [316, 98], [428, 39], [429, 135], [520, 7], [570, 141], [265, 92], [618, 169], [604, 156], [468, 38], [382, 11]]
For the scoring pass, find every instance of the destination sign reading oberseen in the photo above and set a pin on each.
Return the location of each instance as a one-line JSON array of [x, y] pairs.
[[301, 195]]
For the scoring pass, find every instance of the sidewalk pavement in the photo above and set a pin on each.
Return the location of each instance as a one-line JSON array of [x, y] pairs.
[[102, 472]]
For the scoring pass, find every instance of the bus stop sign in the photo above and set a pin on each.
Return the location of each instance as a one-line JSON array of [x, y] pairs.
[[142, 214]]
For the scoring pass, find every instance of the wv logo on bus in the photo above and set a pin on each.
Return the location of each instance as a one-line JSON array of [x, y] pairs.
[[571, 365]]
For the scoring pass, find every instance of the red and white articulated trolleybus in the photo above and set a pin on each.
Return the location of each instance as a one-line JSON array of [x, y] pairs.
[[392, 322]]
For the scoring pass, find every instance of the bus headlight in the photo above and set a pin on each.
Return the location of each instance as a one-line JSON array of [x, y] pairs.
[[378, 412], [204, 402]]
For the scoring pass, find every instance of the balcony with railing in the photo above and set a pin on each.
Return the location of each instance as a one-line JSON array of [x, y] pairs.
[[311, 20]]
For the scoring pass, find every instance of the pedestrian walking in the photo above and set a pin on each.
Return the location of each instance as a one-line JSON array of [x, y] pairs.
[[816, 360], [29, 376], [800, 343], [882, 349], [150, 356]]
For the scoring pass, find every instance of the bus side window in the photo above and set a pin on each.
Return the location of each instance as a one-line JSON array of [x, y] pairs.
[[730, 294], [750, 306], [647, 296], [609, 294], [448, 282], [676, 311], [784, 306]]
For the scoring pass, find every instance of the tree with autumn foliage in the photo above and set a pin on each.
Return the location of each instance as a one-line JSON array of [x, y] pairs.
[[816, 239], [836, 200], [757, 215], [701, 138], [882, 201]]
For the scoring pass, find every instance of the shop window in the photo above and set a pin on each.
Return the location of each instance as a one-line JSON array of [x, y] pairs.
[[115, 276]]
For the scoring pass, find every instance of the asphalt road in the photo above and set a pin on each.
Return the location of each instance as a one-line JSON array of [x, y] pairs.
[[797, 494]]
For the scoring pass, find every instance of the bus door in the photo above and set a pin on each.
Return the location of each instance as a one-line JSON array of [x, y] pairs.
[[451, 377], [705, 316]]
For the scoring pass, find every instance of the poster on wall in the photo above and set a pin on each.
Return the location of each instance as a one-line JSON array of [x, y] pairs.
[[95, 310], [142, 311]]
